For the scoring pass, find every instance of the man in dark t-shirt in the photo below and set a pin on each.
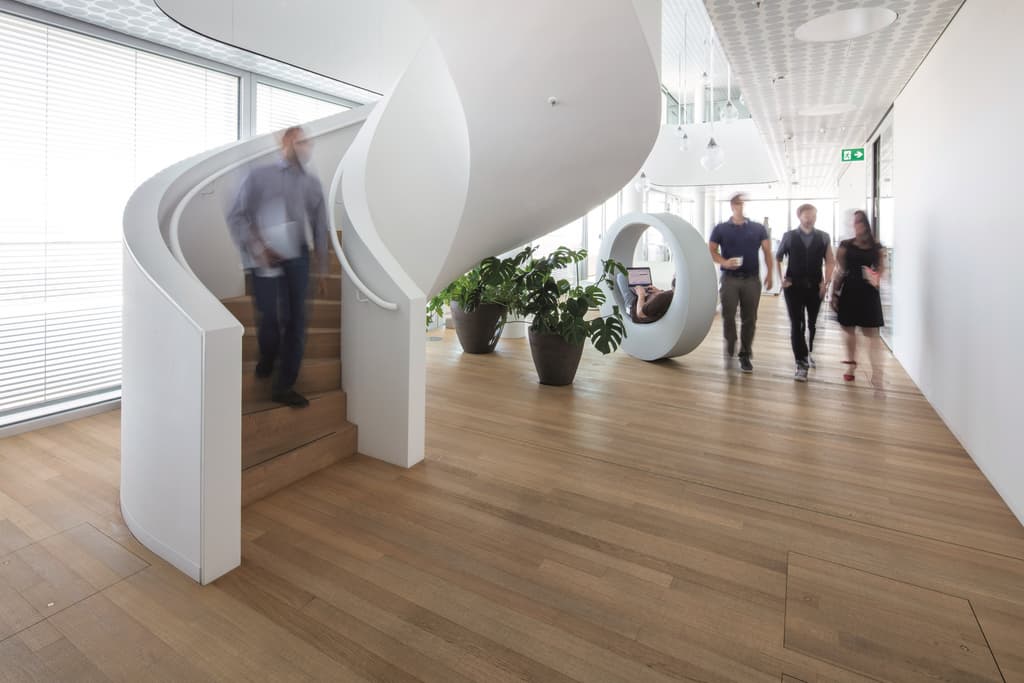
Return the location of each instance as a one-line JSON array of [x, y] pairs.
[[803, 285], [736, 246]]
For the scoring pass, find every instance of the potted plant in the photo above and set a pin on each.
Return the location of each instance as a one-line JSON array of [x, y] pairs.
[[560, 325], [481, 300]]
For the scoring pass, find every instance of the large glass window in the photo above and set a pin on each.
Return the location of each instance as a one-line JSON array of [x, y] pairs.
[[277, 108], [82, 123]]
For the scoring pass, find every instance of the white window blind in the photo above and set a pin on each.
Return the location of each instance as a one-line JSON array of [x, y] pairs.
[[82, 123], [277, 108]]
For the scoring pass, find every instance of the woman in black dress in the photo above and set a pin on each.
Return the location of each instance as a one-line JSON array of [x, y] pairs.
[[861, 264]]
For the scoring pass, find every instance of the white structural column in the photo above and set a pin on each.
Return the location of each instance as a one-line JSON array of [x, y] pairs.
[[700, 211], [633, 198]]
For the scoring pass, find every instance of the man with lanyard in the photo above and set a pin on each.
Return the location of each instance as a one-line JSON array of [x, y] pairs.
[[804, 287], [734, 246]]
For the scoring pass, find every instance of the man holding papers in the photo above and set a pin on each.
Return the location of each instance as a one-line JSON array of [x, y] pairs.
[[268, 224]]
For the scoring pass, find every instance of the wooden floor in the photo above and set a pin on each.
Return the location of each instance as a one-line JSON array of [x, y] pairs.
[[655, 522]]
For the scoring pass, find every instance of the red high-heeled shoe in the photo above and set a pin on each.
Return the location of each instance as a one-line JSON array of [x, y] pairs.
[[848, 376]]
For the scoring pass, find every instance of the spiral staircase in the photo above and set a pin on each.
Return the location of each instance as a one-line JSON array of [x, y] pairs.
[[527, 114]]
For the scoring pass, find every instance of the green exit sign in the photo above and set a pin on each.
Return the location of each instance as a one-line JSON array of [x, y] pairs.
[[853, 154]]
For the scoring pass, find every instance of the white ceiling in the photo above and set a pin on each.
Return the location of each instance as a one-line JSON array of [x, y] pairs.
[[143, 19], [867, 73], [689, 13]]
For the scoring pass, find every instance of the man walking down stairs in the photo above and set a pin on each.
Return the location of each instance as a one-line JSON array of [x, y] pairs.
[[268, 224], [281, 445]]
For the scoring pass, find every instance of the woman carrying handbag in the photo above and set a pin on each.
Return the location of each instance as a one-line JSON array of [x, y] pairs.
[[856, 298]]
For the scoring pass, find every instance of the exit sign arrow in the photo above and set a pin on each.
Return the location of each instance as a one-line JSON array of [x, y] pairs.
[[853, 154]]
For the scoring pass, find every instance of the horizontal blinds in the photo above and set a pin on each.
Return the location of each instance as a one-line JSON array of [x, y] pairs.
[[277, 108], [83, 122]]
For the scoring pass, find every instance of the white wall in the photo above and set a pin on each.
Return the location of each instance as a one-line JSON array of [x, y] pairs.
[[958, 322], [852, 196]]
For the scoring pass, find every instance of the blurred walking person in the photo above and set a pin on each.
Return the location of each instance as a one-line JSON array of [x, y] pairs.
[[736, 246], [807, 251], [268, 224], [856, 295]]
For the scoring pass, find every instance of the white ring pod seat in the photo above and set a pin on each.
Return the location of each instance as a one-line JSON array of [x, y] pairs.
[[689, 318]]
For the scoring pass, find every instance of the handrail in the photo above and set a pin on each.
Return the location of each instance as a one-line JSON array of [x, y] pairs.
[[174, 232], [345, 265]]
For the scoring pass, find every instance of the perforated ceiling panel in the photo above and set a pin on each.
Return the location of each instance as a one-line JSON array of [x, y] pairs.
[[781, 76], [143, 19]]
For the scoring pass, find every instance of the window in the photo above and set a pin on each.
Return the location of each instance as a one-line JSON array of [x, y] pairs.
[[277, 108], [82, 123]]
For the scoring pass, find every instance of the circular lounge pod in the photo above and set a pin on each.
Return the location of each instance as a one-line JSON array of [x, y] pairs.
[[688, 319]]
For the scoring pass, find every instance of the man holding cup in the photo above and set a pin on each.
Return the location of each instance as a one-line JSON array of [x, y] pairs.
[[734, 246]]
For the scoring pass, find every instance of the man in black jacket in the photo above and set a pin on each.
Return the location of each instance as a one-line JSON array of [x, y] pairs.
[[803, 283]]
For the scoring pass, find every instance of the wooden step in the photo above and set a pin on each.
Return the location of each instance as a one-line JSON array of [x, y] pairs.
[[332, 283], [259, 481], [319, 312], [316, 376], [321, 342], [271, 429]]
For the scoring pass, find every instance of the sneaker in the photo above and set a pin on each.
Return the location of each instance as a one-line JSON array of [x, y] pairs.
[[291, 398], [810, 362], [801, 373], [745, 365]]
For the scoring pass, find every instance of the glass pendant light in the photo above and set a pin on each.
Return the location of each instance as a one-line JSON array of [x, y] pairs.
[[641, 183], [731, 113], [713, 157], [684, 139]]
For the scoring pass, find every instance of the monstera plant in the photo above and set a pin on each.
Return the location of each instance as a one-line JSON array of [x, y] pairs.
[[562, 322], [482, 299]]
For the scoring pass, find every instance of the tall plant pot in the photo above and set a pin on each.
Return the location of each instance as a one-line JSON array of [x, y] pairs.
[[555, 359], [480, 330]]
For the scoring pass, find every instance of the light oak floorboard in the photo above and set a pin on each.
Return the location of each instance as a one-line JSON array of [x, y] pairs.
[[641, 525]]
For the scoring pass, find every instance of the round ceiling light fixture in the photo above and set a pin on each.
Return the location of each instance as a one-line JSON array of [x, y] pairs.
[[846, 24], [828, 109]]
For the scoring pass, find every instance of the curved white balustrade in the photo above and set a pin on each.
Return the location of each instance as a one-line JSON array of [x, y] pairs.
[[688, 319], [182, 351]]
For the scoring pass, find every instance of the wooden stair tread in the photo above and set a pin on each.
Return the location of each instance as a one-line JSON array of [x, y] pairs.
[[246, 298], [344, 427], [263, 405], [270, 429], [270, 476], [252, 330]]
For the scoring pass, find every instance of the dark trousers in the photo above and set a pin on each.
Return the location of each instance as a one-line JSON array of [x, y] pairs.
[[745, 293], [281, 312], [803, 302]]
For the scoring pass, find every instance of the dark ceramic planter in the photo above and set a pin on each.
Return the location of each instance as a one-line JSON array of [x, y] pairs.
[[480, 330], [556, 360]]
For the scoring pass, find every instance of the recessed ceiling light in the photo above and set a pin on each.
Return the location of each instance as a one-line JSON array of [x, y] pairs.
[[828, 110], [846, 25]]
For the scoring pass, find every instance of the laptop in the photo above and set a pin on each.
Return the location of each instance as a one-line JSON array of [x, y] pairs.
[[639, 277]]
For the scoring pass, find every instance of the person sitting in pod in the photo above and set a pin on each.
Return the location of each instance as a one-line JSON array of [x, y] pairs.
[[645, 304]]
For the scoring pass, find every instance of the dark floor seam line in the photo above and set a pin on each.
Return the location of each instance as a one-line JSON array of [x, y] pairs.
[[697, 482], [984, 635], [879, 576], [98, 591]]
